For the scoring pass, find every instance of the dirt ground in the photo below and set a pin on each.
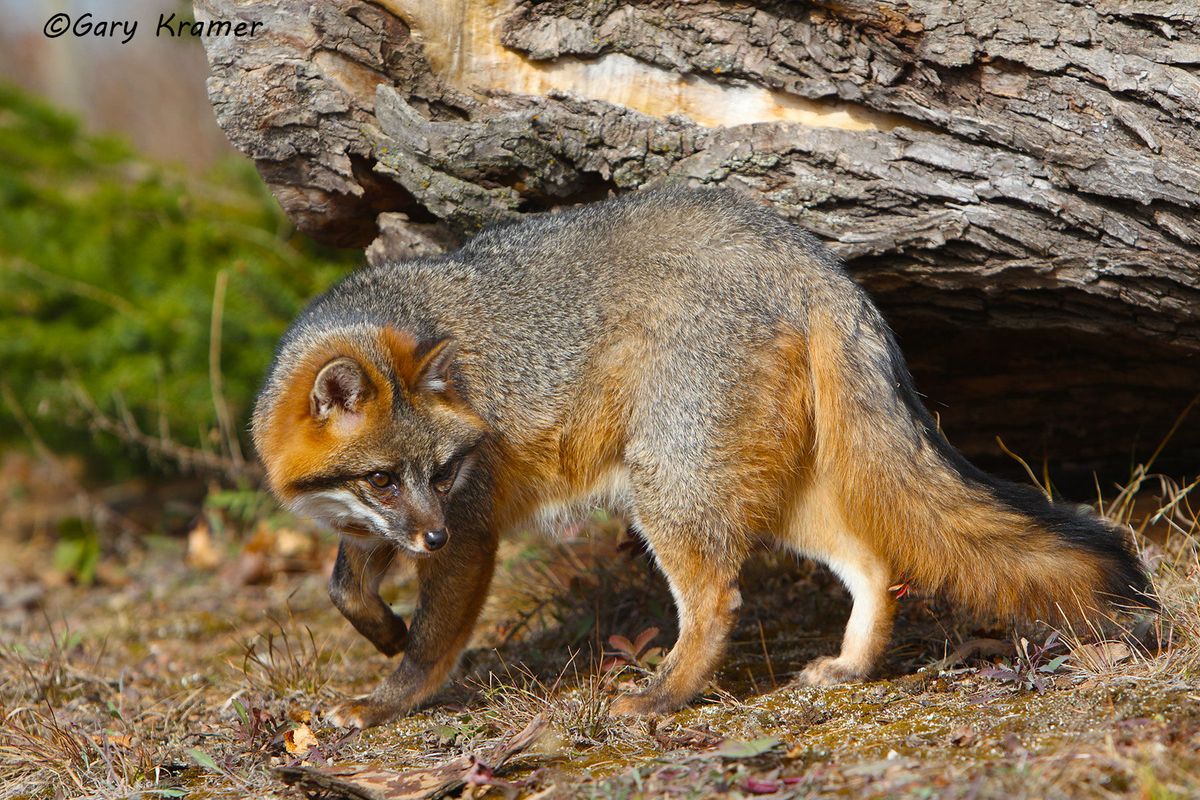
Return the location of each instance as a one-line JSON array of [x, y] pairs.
[[200, 665]]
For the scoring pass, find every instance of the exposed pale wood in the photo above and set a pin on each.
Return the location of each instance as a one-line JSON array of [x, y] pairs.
[[464, 42], [1016, 182]]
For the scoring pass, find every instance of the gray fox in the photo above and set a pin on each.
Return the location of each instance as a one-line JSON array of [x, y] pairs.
[[684, 357]]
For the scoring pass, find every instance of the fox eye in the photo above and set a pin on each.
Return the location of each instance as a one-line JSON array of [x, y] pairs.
[[443, 479], [380, 480]]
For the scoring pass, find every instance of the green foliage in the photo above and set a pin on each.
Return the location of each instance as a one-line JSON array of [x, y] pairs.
[[78, 550], [243, 505], [734, 749], [108, 265]]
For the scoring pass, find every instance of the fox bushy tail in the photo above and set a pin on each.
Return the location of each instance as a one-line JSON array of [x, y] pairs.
[[993, 546]]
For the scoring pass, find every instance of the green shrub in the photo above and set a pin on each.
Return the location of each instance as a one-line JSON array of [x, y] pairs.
[[108, 264]]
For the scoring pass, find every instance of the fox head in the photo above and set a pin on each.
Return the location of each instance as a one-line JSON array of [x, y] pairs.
[[369, 435]]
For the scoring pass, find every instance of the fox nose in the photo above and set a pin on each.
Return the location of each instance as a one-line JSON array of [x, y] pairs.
[[435, 539]]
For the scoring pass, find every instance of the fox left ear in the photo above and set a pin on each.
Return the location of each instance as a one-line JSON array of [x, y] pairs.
[[433, 370], [341, 386]]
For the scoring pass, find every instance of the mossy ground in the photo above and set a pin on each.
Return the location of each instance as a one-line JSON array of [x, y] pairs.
[[196, 668]]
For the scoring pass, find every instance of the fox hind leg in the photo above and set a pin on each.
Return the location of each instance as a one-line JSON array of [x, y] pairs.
[[869, 628]]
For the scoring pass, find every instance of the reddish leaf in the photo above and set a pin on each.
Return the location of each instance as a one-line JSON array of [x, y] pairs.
[[757, 786], [622, 645], [644, 638]]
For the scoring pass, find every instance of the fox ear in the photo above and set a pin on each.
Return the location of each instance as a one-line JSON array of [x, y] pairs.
[[341, 385], [433, 371]]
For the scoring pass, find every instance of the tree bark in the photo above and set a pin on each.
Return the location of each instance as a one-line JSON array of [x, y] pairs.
[[1016, 183]]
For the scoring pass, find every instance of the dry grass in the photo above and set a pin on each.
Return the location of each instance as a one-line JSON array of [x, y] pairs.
[[164, 679]]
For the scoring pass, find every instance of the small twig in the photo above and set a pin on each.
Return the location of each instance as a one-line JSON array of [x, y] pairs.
[[1169, 509], [1125, 497], [1171, 433], [127, 430], [77, 287], [762, 638], [233, 447], [1023, 463]]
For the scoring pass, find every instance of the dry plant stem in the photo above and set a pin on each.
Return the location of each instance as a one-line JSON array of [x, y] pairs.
[[1121, 506], [77, 287], [233, 447], [127, 430], [1043, 485]]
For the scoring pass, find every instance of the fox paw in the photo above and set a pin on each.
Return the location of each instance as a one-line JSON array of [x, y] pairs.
[[829, 671], [391, 642], [642, 704], [360, 713]]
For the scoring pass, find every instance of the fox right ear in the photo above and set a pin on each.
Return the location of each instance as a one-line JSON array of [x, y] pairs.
[[341, 385]]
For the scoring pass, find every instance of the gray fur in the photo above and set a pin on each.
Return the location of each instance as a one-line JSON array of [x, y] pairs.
[[702, 279], [687, 288]]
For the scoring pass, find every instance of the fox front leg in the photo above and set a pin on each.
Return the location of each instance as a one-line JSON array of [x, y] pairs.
[[453, 586], [354, 589], [708, 598]]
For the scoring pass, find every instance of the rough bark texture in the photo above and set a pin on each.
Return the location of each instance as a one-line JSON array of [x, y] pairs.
[[1016, 183]]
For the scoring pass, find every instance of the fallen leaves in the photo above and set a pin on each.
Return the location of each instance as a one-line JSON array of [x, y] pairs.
[[768, 785], [637, 653], [1101, 656], [963, 736], [376, 781], [732, 749], [202, 554], [300, 740]]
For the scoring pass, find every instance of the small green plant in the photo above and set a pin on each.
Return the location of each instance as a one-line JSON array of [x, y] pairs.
[[1032, 664], [256, 730], [241, 508], [78, 550]]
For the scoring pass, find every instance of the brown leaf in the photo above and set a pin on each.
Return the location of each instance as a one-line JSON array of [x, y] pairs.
[[644, 638], [621, 644], [372, 782], [300, 740], [964, 736], [973, 648], [251, 568], [291, 543], [201, 552]]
